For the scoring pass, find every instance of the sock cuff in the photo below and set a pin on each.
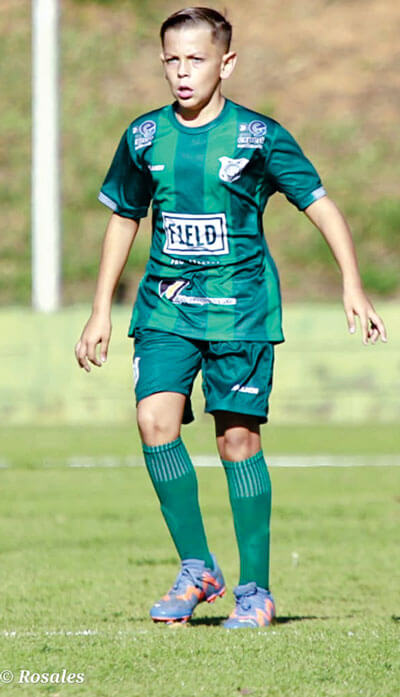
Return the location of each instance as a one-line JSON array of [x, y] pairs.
[[162, 448], [168, 461], [254, 459], [247, 477]]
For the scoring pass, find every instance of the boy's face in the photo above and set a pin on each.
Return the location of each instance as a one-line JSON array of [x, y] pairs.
[[194, 65]]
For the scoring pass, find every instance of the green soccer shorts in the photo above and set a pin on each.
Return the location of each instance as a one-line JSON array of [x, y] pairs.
[[236, 375]]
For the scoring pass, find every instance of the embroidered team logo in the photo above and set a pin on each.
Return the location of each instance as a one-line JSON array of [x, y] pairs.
[[252, 134], [231, 169], [148, 129], [144, 134], [258, 128]]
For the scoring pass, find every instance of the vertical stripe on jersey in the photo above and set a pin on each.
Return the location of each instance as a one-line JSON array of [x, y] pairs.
[[189, 165], [163, 153], [220, 320], [273, 319], [188, 171]]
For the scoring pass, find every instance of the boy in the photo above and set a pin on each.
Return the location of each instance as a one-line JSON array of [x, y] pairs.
[[209, 299]]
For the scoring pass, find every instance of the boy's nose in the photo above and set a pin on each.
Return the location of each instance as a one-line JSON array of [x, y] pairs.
[[183, 69]]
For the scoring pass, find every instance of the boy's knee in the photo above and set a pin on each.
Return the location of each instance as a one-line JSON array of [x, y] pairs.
[[238, 444], [156, 427]]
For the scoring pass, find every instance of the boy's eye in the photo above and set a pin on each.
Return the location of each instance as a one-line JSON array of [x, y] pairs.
[[170, 60], [197, 60]]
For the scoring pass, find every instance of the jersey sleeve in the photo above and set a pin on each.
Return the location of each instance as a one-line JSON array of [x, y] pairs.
[[292, 173], [126, 187]]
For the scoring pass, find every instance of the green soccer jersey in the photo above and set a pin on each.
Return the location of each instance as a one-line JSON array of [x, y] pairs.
[[210, 274]]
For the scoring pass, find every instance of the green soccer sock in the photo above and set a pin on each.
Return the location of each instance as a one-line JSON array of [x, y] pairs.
[[249, 487], [174, 479]]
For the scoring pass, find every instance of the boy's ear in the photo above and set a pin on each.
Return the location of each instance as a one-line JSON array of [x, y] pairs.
[[228, 64]]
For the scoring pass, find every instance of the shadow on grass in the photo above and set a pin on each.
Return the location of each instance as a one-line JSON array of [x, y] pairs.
[[217, 621], [298, 618], [278, 620]]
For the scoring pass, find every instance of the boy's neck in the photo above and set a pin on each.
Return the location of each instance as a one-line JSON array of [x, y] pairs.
[[200, 117]]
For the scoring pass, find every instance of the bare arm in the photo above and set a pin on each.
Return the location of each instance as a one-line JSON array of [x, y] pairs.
[[117, 243], [329, 220]]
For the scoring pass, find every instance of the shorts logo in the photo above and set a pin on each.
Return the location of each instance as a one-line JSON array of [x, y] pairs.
[[231, 169], [248, 390], [136, 369], [195, 234], [172, 289], [144, 134], [252, 135]]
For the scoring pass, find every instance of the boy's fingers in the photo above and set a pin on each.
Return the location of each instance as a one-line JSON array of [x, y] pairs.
[[80, 353], [91, 353], [378, 325], [374, 334], [364, 327], [104, 350], [350, 321]]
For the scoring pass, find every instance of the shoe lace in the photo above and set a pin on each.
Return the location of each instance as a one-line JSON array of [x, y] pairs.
[[185, 576], [244, 601]]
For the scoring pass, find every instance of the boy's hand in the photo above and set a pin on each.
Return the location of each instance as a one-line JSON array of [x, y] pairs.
[[97, 331], [356, 303]]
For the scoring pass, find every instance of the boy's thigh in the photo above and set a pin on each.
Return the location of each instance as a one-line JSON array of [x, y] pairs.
[[237, 377], [165, 362]]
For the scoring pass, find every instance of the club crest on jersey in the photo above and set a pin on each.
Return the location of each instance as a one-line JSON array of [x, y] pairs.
[[144, 134], [252, 134], [231, 169]]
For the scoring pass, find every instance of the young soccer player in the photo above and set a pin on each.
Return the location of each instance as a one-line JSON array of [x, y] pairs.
[[209, 299]]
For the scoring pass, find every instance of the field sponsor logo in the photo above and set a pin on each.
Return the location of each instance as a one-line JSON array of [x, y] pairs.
[[245, 388], [231, 169], [144, 134], [195, 234], [252, 135], [172, 289]]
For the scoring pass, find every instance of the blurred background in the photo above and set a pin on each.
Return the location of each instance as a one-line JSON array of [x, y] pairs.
[[328, 70]]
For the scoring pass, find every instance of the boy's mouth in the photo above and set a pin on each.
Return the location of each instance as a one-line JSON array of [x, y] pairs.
[[185, 92]]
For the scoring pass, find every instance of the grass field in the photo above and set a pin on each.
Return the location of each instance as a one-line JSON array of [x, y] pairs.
[[85, 553], [32, 447]]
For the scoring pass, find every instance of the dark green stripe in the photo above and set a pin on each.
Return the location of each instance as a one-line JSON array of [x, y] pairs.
[[190, 156], [163, 152], [220, 320]]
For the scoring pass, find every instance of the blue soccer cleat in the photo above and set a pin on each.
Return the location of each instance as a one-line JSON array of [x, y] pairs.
[[255, 607], [194, 584]]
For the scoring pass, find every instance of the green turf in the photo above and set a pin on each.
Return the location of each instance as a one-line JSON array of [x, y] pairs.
[[35, 446], [88, 550]]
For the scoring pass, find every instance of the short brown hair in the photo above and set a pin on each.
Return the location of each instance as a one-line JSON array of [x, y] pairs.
[[221, 29]]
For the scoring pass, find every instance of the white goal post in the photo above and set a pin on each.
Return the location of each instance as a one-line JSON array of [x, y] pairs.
[[46, 225]]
